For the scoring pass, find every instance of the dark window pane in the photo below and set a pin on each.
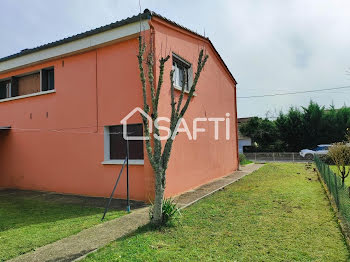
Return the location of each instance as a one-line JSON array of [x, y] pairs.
[[51, 79], [3, 90], [14, 86], [48, 79], [118, 144]]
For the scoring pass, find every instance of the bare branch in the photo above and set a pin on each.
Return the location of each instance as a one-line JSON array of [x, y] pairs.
[[177, 116], [172, 97], [142, 47], [157, 143], [162, 61], [150, 64], [180, 99], [200, 66]]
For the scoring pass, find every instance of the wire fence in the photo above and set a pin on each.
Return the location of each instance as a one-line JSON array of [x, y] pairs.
[[275, 157], [339, 193]]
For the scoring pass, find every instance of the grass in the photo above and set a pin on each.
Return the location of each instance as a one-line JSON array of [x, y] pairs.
[[26, 224], [278, 213], [243, 160]]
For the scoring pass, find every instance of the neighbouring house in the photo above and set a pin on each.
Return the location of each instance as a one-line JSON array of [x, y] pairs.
[[61, 106], [243, 140]]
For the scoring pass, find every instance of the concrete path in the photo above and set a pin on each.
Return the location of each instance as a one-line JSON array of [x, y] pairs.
[[188, 198], [76, 247]]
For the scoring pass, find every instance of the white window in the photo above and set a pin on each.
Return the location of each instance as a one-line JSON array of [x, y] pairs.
[[115, 145], [182, 73]]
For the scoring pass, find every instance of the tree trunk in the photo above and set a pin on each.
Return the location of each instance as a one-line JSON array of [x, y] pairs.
[[157, 218]]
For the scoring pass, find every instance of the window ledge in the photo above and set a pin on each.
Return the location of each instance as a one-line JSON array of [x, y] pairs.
[[121, 161], [185, 91], [25, 96]]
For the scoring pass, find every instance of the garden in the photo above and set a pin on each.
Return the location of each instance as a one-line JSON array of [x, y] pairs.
[[278, 213]]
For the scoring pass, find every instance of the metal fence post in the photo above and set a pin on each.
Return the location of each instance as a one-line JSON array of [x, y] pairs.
[[273, 156], [127, 177], [293, 156], [115, 186], [336, 191]]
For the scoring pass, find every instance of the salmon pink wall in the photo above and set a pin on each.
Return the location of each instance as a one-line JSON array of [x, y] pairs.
[[194, 163], [57, 141]]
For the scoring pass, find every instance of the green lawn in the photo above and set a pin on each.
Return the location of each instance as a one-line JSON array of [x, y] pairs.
[[245, 162], [26, 224], [278, 213]]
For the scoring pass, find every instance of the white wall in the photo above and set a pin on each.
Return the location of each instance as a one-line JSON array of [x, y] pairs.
[[243, 142]]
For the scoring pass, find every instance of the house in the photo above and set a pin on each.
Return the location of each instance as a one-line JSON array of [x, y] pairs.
[[243, 140], [61, 106]]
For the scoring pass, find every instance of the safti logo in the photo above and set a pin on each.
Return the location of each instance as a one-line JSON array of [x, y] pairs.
[[181, 126]]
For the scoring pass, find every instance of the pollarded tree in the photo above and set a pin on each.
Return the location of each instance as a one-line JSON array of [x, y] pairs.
[[159, 155]]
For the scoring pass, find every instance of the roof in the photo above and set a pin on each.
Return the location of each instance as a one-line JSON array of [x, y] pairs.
[[195, 33], [98, 30], [147, 14], [243, 119]]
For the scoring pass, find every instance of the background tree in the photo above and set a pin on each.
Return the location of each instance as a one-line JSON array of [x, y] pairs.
[[313, 124], [340, 154], [299, 128], [262, 131], [290, 129], [159, 154]]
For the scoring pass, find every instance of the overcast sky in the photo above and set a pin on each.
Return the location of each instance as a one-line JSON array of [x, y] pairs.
[[269, 46]]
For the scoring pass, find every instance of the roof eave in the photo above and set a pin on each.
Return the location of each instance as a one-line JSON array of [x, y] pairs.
[[206, 39]]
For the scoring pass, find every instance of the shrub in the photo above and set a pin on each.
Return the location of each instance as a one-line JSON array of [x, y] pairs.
[[327, 159], [170, 211], [340, 154], [243, 159]]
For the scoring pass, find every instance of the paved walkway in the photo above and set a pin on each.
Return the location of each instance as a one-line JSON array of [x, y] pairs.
[[77, 246]]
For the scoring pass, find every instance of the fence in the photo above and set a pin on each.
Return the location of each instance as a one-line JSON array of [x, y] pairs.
[[274, 156], [339, 193]]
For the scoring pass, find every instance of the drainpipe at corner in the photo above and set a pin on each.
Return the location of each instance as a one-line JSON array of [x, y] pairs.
[[236, 129]]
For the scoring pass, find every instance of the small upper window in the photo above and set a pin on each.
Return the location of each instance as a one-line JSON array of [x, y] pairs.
[[182, 73], [31, 83]]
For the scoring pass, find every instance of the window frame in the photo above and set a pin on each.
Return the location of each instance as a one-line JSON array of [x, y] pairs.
[[189, 71], [41, 78], [8, 91], [107, 152], [41, 92]]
